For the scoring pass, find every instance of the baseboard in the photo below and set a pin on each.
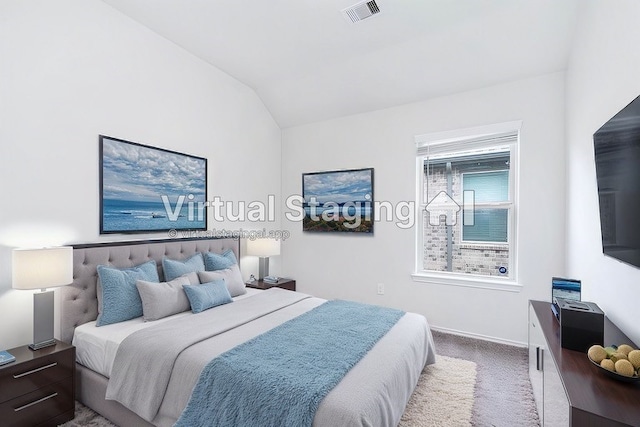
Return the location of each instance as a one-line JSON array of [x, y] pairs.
[[479, 336]]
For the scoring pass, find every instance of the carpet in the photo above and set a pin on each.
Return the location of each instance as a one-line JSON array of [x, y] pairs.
[[503, 393], [442, 398]]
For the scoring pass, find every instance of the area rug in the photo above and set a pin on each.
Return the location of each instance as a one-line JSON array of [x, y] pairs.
[[442, 398], [85, 417], [444, 395]]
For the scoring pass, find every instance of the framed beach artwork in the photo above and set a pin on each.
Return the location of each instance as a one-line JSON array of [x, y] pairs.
[[146, 189], [338, 201]]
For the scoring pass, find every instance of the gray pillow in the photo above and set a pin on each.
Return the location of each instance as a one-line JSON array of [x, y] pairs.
[[164, 299], [232, 278]]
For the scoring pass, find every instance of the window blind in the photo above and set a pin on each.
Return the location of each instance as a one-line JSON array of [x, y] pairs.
[[487, 186], [427, 148], [490, 225]]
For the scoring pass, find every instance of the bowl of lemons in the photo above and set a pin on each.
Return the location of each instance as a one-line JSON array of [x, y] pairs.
[[621, 362]]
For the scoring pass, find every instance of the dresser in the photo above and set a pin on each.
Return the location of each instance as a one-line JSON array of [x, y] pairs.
[[38, 388], [569, 390]]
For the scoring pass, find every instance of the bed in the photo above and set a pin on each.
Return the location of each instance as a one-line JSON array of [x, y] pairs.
[[373, 392]]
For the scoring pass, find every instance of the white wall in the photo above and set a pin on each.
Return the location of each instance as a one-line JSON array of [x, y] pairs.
[[73, 69], [602, 78], [350, 266]]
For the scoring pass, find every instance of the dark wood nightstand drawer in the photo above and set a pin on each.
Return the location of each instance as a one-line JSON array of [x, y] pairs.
[[28, 376], [288, 284], [37, 407]]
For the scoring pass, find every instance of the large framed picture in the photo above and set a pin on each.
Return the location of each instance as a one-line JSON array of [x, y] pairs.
[[147, 189], [338, 201]]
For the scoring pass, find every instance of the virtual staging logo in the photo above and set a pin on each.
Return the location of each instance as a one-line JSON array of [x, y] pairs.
[[442, 206], [442, 210]]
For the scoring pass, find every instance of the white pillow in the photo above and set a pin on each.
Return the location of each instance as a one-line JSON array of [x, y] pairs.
[[164, 299], [232, 278]]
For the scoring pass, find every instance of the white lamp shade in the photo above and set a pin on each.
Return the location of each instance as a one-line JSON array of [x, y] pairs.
[[263, 247], [42, 268]]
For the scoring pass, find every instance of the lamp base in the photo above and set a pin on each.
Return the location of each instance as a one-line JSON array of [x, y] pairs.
[[44, 344], [263, 267], [42, 320]]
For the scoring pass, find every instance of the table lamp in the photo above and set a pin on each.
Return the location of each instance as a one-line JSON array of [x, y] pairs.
[[263, 248], [41, 269]]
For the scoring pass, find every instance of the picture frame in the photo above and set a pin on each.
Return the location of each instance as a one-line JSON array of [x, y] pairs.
[[145, 189], [338, 201]]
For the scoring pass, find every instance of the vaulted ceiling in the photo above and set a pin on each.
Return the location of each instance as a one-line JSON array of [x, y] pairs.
[[308, 62]]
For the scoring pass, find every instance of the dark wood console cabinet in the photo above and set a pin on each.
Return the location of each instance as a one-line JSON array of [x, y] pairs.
[[570, 390]]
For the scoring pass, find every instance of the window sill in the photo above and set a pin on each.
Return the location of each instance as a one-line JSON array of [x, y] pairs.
[[496, 284]]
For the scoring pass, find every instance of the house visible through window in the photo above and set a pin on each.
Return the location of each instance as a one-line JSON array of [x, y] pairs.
[[466, 187]]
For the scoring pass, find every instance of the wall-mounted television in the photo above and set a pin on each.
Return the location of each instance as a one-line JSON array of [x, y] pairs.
[[617, 156]]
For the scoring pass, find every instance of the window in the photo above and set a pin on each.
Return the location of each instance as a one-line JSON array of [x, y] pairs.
[[467, 190], [488, 220]]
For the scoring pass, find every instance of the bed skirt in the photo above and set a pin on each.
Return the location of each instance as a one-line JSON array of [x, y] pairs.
[[91, 389]]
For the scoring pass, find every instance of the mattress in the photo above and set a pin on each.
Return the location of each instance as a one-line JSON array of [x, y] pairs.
[[96, 347]]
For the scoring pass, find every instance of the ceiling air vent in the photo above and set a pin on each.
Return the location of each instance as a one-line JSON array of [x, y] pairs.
[[360, 11]]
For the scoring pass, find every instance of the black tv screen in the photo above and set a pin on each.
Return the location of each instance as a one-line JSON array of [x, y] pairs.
[[617, 155]]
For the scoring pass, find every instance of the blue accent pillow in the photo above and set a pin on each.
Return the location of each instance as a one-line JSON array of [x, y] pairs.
[[174, 268], [208, 295], [213, 262], [120, 298]]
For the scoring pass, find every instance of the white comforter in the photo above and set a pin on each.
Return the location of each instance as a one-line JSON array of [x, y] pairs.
[[373, 393], [96, 348]]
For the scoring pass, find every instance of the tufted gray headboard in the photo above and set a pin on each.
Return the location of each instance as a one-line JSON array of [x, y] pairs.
[[79, 301]]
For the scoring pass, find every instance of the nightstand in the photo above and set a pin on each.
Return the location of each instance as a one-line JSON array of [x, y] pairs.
[[288, 284], [38, 389]]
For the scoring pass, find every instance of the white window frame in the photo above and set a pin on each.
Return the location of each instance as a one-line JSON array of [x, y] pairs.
[[456, 140]]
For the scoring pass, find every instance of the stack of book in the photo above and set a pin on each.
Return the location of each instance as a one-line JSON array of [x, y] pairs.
[[6, 357]]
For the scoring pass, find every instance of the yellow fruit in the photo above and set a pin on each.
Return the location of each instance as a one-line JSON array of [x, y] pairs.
[[608, 364], [634, 358], [597, 353], [610, 351], [624, 367], [618, 356], [625, 348]]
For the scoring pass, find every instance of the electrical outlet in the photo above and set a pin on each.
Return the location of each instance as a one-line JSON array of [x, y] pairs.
[[380, 288]]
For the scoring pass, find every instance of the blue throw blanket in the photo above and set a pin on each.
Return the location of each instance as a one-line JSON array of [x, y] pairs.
[[280, 377]]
